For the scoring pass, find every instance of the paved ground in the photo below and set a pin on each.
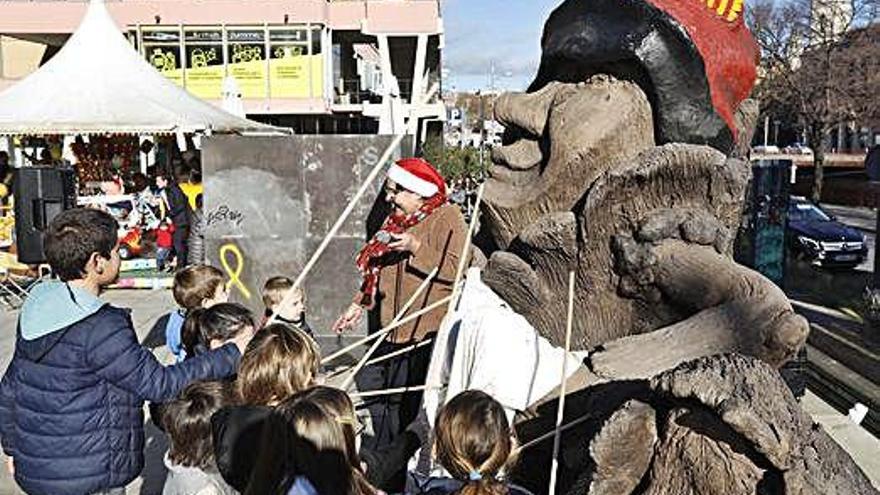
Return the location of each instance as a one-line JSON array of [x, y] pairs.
[[147, 306]]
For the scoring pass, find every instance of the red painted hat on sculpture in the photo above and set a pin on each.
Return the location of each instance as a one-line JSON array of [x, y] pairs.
[[729, 52]]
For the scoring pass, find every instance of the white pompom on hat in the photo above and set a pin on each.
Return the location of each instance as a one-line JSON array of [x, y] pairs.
[[418, 176]]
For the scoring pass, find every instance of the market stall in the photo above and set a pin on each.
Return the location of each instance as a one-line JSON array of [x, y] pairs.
[[98, 107]]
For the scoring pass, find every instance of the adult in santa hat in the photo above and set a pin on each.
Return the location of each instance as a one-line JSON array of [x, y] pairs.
[[422, 232]]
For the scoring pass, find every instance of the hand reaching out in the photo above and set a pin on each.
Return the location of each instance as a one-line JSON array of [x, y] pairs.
[[349, 318]]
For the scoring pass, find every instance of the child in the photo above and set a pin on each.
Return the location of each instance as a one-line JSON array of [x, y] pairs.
[[205, 328], [71, 401], [197, 286], [190, 458], [294, 311], [322, 456], [164, 243], [473, 442], [280, 362]]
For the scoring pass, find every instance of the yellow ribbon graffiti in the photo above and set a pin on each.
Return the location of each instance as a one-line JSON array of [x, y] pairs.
[[234, 272]]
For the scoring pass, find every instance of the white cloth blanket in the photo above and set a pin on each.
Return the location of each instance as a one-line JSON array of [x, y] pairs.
[[485, 345]]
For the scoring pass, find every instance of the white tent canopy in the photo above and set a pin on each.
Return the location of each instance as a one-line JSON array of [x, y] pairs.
[[98, 83]]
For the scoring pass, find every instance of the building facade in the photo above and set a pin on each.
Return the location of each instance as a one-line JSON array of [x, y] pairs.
[[317, 66]]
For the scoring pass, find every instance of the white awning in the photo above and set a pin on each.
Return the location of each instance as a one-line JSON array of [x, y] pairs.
[[98, 83]]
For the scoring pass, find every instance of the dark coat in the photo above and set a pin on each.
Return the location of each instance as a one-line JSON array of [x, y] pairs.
[[71, 401], [448, 486], [178, 205], [238, 437]]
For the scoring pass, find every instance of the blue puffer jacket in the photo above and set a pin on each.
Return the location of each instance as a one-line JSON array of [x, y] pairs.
[[71, 400]]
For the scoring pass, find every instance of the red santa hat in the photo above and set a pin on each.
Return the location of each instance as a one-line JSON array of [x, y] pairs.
[[418, 176]]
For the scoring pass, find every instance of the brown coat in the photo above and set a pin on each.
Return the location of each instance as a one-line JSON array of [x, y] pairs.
[[442, 235]]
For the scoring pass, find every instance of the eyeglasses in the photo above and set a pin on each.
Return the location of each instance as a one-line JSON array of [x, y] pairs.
[[391, 191]]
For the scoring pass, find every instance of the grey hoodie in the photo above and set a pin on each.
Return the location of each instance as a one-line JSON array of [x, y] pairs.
[[184, 480]]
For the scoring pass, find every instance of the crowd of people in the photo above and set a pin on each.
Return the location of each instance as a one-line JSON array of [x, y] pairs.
[[243, 405]]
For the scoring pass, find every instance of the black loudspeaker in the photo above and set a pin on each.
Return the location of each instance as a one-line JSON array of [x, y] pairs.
[[41, 193]]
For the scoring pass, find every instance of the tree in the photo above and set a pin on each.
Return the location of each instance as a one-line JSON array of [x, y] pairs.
[[452, 162], [820, 66]]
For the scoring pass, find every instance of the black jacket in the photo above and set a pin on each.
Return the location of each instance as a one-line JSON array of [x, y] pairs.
[[448, 486], [238, 438], [178, 205]]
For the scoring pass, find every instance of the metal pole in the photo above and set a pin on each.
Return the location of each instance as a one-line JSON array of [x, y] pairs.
[[876, 270]]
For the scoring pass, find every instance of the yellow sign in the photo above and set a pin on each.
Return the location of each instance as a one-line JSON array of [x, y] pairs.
[[289, 77], [167, 61], [204, 75], [248, 66]]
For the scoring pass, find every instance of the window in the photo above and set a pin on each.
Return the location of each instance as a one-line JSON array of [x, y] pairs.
[[247, 60], [288, 64], [205, 63], [162, 51]]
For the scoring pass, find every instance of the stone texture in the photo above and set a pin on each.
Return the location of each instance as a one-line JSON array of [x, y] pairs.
[[275, 198]]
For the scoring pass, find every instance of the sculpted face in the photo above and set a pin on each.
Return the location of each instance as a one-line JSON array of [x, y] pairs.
[[620, 130]]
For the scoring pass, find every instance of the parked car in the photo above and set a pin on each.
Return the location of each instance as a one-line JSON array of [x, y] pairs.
[[817, 237], [798, 149]]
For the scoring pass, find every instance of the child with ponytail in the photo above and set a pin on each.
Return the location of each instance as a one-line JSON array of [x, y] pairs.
[[474, 443]]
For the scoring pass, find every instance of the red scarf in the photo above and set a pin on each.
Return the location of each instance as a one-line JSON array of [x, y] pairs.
[[369, 260]]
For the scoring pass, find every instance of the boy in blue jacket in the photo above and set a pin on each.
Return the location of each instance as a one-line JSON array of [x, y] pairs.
[[71, 400]]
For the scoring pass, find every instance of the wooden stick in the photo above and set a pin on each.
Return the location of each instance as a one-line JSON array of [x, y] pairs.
[[339, 221], [554, 467], [384, 357], [552, 434], [389, 391], [366, 357], [385, 330], [462, 261]]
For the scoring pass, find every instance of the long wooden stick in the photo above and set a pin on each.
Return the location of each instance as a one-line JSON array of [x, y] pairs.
[[345, 213], [366, 357], [560, 412], [462, 262], [389, 391], [384, 331], [336, 226], [552, 434], [385, 357]]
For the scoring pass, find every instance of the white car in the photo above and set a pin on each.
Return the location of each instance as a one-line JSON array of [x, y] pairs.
[[766, 149], [798, 149]]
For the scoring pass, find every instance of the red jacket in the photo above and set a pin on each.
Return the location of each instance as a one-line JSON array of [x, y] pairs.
[[163, 236]]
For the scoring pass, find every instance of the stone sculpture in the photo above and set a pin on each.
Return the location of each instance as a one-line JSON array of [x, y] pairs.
[[623, 162]]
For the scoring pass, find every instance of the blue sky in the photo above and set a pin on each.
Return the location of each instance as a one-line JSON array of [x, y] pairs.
[[507, 32]]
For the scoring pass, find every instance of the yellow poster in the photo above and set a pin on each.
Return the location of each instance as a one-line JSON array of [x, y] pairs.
[[205, 72], [289, 76], [166, 59], [205, 82], [248, 66]]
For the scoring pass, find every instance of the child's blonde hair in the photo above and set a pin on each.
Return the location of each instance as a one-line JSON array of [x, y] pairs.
[[277, 363], [275, 288]]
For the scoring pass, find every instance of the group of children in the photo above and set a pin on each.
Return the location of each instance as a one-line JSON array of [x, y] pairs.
[[243, 407], [273, 429]]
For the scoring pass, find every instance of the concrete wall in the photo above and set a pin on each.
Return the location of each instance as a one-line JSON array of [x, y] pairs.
[[269, 201]]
